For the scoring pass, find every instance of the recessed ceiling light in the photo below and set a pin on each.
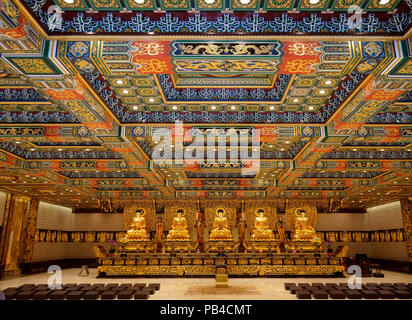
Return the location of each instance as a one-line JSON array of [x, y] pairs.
[[17, 142], [328, 82], [213, 107], [210, 1], [383, 2], [354, 149], [296, 100], [270, 146], [314, 1], [322, 91], [382, 149], [87, 149], [311, 108], [244, 1], [119, 81], [139, 1], [407, 178], [60, 149], [69, 1], [344, 171], [409, 149], [395, 182], [174, 108], [233, 107], [287, 142], [272, 108], [125, 91], [151, 100], [282, 149], [135, 107], [32, 149]]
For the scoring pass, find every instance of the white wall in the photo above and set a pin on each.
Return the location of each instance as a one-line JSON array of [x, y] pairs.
[[55, 217], [99, 222], [3, 197], [384, 217]]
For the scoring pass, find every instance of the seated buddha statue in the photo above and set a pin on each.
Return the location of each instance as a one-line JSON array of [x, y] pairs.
[[262, 230], [220, 229], [179, 228], [138, 229], [303, 230]]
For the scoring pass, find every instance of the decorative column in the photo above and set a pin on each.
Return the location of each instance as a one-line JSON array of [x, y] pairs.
[[13, 237], [406, 207], [241, 227], [199, 228], [29, 232]]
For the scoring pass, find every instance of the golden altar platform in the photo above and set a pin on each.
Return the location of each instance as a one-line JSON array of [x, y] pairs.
[[206, 264]]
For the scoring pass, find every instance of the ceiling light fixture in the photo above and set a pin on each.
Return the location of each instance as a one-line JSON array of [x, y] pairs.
[[328, 82], [322, 91], [311, 108], [119, 81], [151, 100]]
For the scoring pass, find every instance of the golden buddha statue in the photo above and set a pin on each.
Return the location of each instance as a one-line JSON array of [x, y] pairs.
[[262, 230], [220, 229], [179, 228], [303, 230], [138, 229]]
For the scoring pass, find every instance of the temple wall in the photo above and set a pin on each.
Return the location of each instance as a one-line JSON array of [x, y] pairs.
[[99, 222], [55, 217], [45, 251], [384, 217]]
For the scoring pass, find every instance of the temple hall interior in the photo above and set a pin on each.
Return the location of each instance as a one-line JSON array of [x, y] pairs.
[[205, 149]]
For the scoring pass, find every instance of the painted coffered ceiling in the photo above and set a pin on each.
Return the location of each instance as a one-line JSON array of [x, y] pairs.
[[84, 85]]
